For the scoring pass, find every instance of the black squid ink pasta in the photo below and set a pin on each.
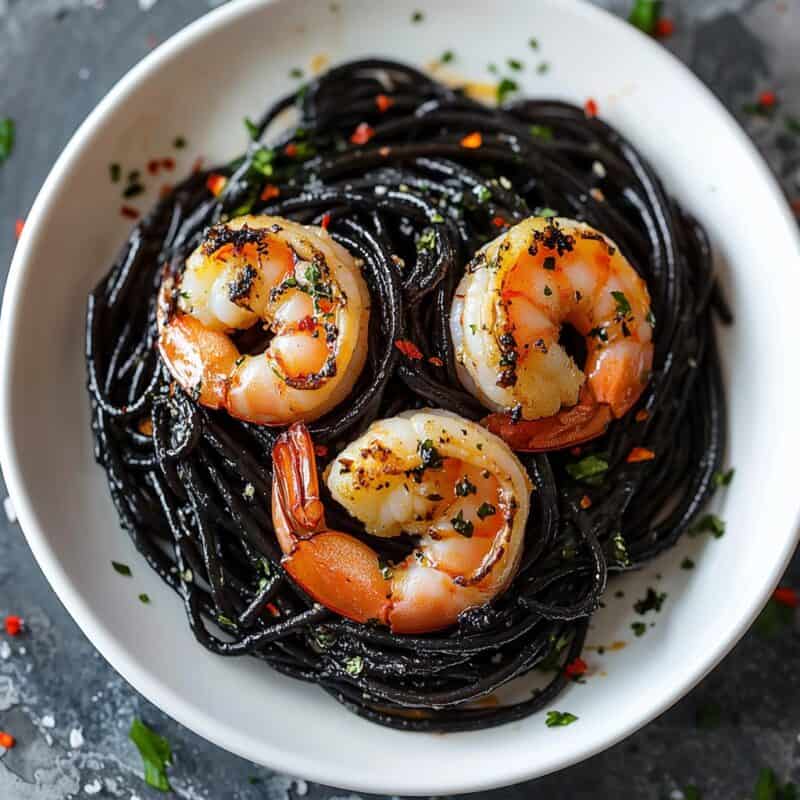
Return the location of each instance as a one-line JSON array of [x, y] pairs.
[[412, 177]]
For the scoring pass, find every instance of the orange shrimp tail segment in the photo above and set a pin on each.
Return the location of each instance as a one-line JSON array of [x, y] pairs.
[[619, 374], [336, 569], [584, 421]]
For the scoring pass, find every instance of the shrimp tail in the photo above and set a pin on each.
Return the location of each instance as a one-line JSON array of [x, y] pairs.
[[586, 420], [336, 569]]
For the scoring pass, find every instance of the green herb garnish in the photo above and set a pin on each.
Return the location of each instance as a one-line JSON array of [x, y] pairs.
[[179, 142], [691, 792], [465, 487], [417, 16], [638, 628], [545, 213], [559, 719], [533, 43], [652, 601], [515, 64], [261, 161], [155, 752], [723, 478], [773, 618], [505, 88], [793, 124], [482, 193], [587, 467], [623, 306], [543, 67], [115, 172], [447, 56], [7, 135], [296, 72], [710, 523], [251, 128], [122, 569], [354, 666], [144, 598], [543, 132], [687, 563], [486, 510], [768, 787], [619, 549], [429, 455], [426, 240], [645, 14], [461, 525]]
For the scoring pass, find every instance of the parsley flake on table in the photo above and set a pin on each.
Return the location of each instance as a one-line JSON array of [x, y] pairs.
[[155, 752]]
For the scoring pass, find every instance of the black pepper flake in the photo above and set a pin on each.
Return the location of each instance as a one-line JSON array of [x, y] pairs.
[[549, 263]]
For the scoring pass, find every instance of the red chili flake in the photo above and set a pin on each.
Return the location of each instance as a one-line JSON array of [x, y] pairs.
[[796, 207], [498, 222], [641, 415], [362, 134], [13, 625], [215, 183], [306, 324], [786, 597], [168, 163], [575, 451], [586, 501], [576, 668], [436, 361], [408, 349], [129, 212], [767, 99], [384, 152], [321, 450], [270, 191], [590, 108], [7, 740], [198, 165], [152, 42], [18, 226], [326, 220], [290, 149], [384, 102], [273, 609], [153, 167], [165, 190], [638, 454], [472, 141], [664, 28]]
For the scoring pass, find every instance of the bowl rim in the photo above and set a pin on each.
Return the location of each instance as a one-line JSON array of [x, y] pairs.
[[142, 680]]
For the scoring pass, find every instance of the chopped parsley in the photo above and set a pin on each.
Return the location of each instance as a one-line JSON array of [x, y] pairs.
[[559, 719], [515, 64], [261, 161], [650, 318], [691, 792], [619, 549], [155, 752], [505, 88], [431, 459], [417, 16], [588, 467], [447, 57], [543, 132], [461, 525], [533, 43], [543, 67], [144, 598], [623, 306], [296, 72], [354, 666], [115, 172], [122, 569], [769, 788], [600, 333], [773, 618], [710, 523], [179, 142], [426, 240], [482, 193], [652, 601], [7, 134], [486, 510], [687, 563], [547, 213], [251, 128], [465, 487], [638, 628], [723, 478], [437, 218], [645, 14]]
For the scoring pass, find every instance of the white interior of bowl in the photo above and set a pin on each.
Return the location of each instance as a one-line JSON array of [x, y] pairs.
[[201, 84]]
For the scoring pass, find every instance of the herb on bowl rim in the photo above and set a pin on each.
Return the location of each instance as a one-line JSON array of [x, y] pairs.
[[559, 719], [122, 569]]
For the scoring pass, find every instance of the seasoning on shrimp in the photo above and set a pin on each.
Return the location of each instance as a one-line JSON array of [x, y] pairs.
[[429, 473], [506, 321], [268, 321]]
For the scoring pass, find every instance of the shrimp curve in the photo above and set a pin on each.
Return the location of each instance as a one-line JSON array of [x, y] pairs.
[[451, 483], [268, 321], [506, 320]]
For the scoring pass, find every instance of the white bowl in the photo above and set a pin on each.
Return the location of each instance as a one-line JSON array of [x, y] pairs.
[[202, 83]]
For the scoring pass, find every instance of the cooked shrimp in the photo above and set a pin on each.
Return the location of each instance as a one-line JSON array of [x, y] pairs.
[[449, 482], [506, 320], [298, 286]]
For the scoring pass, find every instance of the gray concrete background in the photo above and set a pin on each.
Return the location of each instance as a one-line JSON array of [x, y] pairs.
[[70, 711]]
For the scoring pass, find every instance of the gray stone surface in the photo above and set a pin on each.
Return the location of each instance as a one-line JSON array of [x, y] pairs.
[[57, 59]]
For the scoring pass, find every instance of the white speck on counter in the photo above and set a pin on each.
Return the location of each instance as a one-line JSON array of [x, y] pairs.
[[8, 507], [84, 73], [146, 5], [48, 721], [5, 650], [95, 787], [300, 787], [76, 739]]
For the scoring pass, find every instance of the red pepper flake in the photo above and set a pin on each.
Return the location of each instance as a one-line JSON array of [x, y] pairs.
[[362, 134], [575, 451], [384, 152], [436, 361], [767, 99], [326, 220], [165, 190], [215, 183], [796, 207], [586, 502], [499, 222], [153, 166], [198, 165], [408, 349], [384, 102], [152, 42], [168, 163], [472, 141], [590, 108], [321, 450], [664, 28], [638, 454], [7, 740], [273, 609], [290, 149], [18, 226], [786, 597], [270, 191], [642, 414], [306, 324], [129, 212], [13, 625], [576, 668]]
